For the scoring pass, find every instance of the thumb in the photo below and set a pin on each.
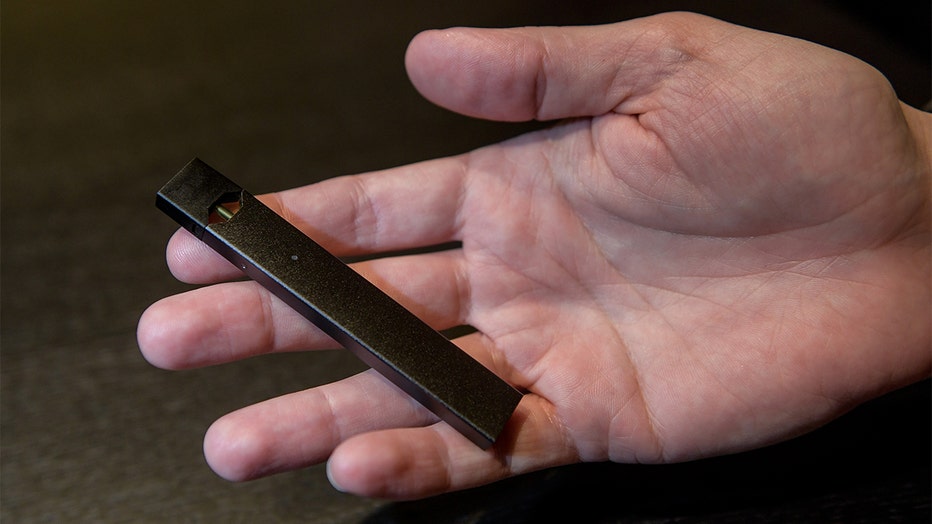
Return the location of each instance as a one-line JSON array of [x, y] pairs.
[[547, 73]]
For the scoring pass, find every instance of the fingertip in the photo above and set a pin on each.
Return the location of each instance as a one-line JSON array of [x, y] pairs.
[[410, 463], [148, 335], [418, 46], [423, 50], [425, 60], [169, 330], [193, 262], [234, 451], [154, 334], [370, 465], [478, 73]]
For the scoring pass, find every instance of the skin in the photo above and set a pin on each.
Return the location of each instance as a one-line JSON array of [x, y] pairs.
[[724, 243]]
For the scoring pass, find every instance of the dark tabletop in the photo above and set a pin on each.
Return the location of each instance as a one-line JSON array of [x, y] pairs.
[[102, 101]]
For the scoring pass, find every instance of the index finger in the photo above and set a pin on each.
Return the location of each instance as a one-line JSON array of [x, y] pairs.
[[400, 208]]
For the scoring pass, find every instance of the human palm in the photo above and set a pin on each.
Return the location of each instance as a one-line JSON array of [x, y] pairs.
[[726, 245]]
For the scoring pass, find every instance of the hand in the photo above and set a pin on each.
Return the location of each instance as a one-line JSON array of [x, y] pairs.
[[726, 246]]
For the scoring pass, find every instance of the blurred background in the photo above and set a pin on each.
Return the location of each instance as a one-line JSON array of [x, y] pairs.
[[104, 100]]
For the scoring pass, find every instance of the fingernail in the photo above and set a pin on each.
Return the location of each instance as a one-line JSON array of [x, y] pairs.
[[333, 483]]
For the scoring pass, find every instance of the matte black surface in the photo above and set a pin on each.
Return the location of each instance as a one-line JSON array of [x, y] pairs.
[[102, 99], [355, 313]]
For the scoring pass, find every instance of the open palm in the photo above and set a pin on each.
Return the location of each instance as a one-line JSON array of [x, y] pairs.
[[724, 243]]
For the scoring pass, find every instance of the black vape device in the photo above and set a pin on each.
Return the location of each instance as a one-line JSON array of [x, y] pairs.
[[339, 301]]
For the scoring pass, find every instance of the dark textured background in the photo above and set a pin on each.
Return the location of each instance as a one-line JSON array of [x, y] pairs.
[[102, 101]]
